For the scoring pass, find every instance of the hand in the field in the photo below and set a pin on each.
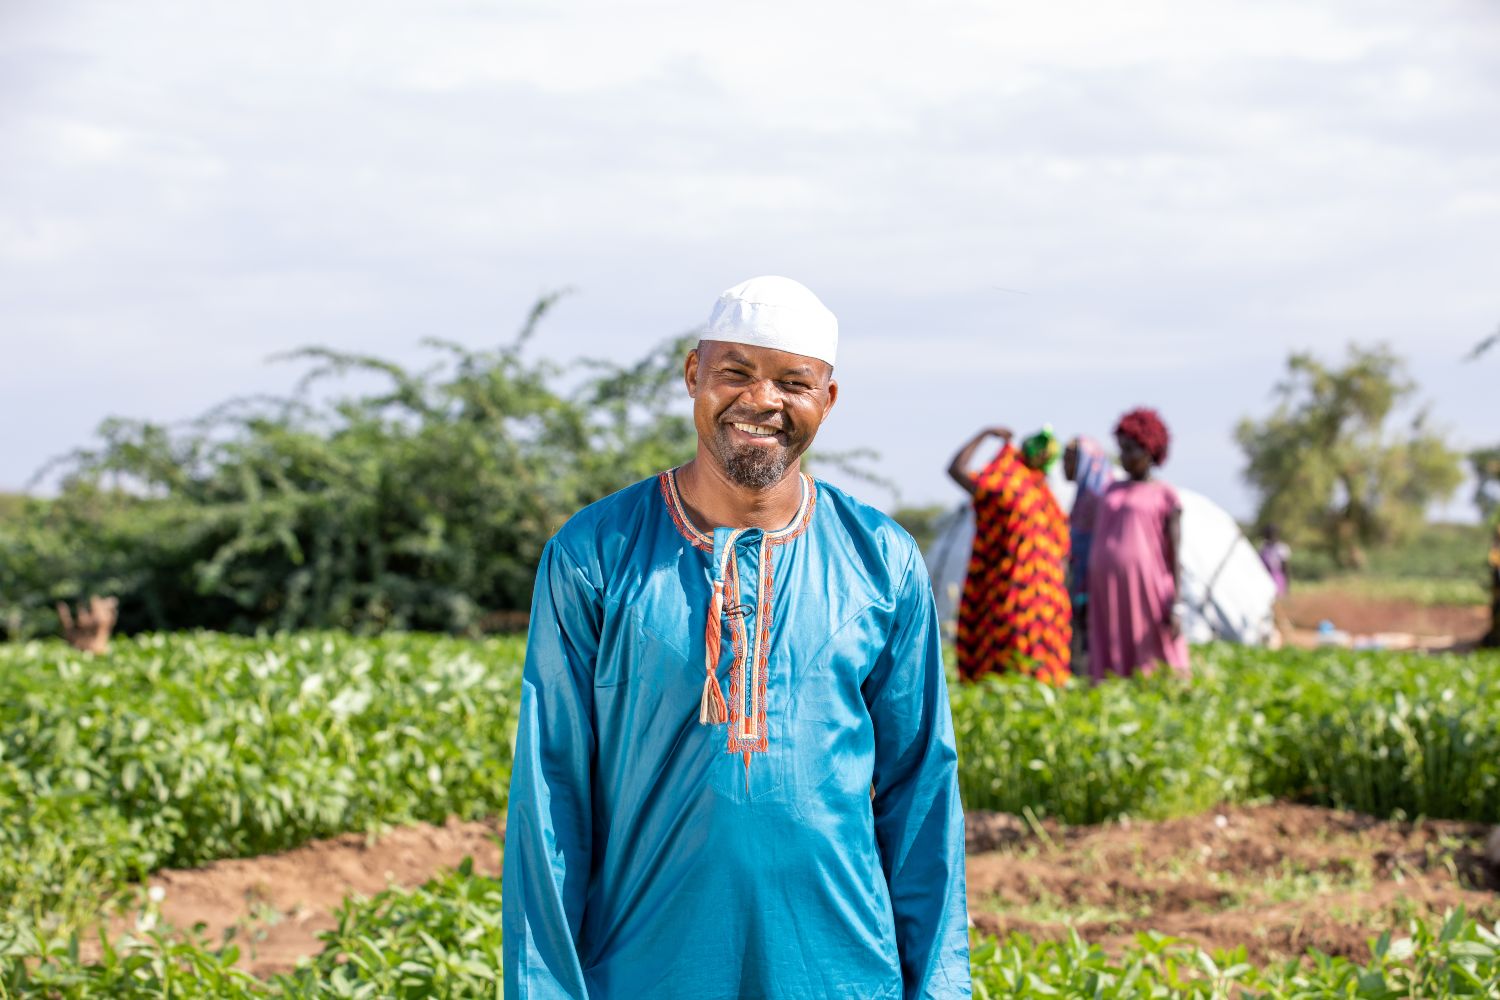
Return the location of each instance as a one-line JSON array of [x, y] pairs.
[[93, 625]]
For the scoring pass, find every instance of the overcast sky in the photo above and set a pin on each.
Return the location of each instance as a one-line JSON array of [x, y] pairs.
[[1020, 212]]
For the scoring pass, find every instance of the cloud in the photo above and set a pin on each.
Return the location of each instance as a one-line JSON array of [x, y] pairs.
[[1049, 211]]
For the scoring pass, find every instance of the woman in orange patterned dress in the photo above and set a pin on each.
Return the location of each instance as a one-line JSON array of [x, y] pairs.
[[1015, 613]]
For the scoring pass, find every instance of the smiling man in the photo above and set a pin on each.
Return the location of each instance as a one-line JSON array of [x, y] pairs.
[[735, 774]]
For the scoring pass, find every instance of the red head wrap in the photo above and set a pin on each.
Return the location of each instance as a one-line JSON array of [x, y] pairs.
[[1146, 427]]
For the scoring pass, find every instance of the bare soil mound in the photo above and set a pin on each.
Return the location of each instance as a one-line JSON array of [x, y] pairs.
[[276, 905], [1362, 615], [1277, 879]]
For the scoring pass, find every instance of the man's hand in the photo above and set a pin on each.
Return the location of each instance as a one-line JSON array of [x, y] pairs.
[[90, 632]]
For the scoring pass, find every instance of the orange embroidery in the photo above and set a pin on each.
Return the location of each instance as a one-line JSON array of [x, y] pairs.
[[748, 674]]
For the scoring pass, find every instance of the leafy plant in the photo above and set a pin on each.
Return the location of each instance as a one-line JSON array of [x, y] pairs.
[[180, 749], [177, 750], [1460, 958], [440, 940], [1382, 733], [444, 939]]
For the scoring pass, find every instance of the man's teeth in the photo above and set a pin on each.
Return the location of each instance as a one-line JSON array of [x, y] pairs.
[[756, 429]]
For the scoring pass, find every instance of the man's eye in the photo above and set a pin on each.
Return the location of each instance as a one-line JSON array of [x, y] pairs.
[[796, 386]]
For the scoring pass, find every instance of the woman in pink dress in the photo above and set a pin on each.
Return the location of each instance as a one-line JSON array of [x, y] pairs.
[[1133, 619]]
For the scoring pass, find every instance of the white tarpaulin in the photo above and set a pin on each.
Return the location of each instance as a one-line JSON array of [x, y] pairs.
[[1227, 592]]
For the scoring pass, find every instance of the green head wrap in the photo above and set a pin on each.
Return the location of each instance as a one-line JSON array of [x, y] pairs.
[[1041, 449]]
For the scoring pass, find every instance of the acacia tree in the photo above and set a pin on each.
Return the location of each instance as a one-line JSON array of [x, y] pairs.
[[1326, 466], [423, 503]]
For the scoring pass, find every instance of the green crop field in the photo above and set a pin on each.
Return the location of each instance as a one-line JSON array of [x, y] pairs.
[[443, 940], [176, 750], [1381, 733], [1427, 592], [1453, 552]]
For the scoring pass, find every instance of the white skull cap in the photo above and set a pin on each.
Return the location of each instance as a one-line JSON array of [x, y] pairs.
[[778, 313]]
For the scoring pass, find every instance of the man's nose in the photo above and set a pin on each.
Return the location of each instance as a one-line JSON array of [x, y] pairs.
[[764, 394]]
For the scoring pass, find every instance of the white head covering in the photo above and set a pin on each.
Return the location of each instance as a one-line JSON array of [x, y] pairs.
[[778, 313]]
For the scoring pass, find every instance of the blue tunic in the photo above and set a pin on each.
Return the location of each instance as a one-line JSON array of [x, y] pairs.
[[649, 854]]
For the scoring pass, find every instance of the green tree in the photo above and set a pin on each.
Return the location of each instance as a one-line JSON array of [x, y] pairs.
[[1328, 468], [423, 503], [1485, 463], [922, 522]]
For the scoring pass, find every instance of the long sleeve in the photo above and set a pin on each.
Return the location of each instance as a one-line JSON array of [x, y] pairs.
[[548, 829], [918, 816]]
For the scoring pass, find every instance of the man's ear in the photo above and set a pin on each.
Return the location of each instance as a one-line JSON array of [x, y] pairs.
[[833, 397], [690, 373]]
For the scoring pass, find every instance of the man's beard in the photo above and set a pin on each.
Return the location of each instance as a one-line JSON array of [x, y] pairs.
[[754, 467]]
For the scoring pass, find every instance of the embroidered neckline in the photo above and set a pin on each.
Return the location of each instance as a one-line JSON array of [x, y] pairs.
[[750, 642], [685, 526]]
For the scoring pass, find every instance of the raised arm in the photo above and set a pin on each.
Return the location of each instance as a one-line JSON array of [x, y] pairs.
[[549, 822], [958, 469], [919, 824]]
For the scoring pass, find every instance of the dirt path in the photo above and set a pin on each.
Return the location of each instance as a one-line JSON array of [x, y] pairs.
[[1400, 624], [1277, 878], [278, 904]]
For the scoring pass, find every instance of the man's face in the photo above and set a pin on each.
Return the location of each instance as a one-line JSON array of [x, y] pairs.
[[756, 409], [1134, 458], [1070, 463]]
